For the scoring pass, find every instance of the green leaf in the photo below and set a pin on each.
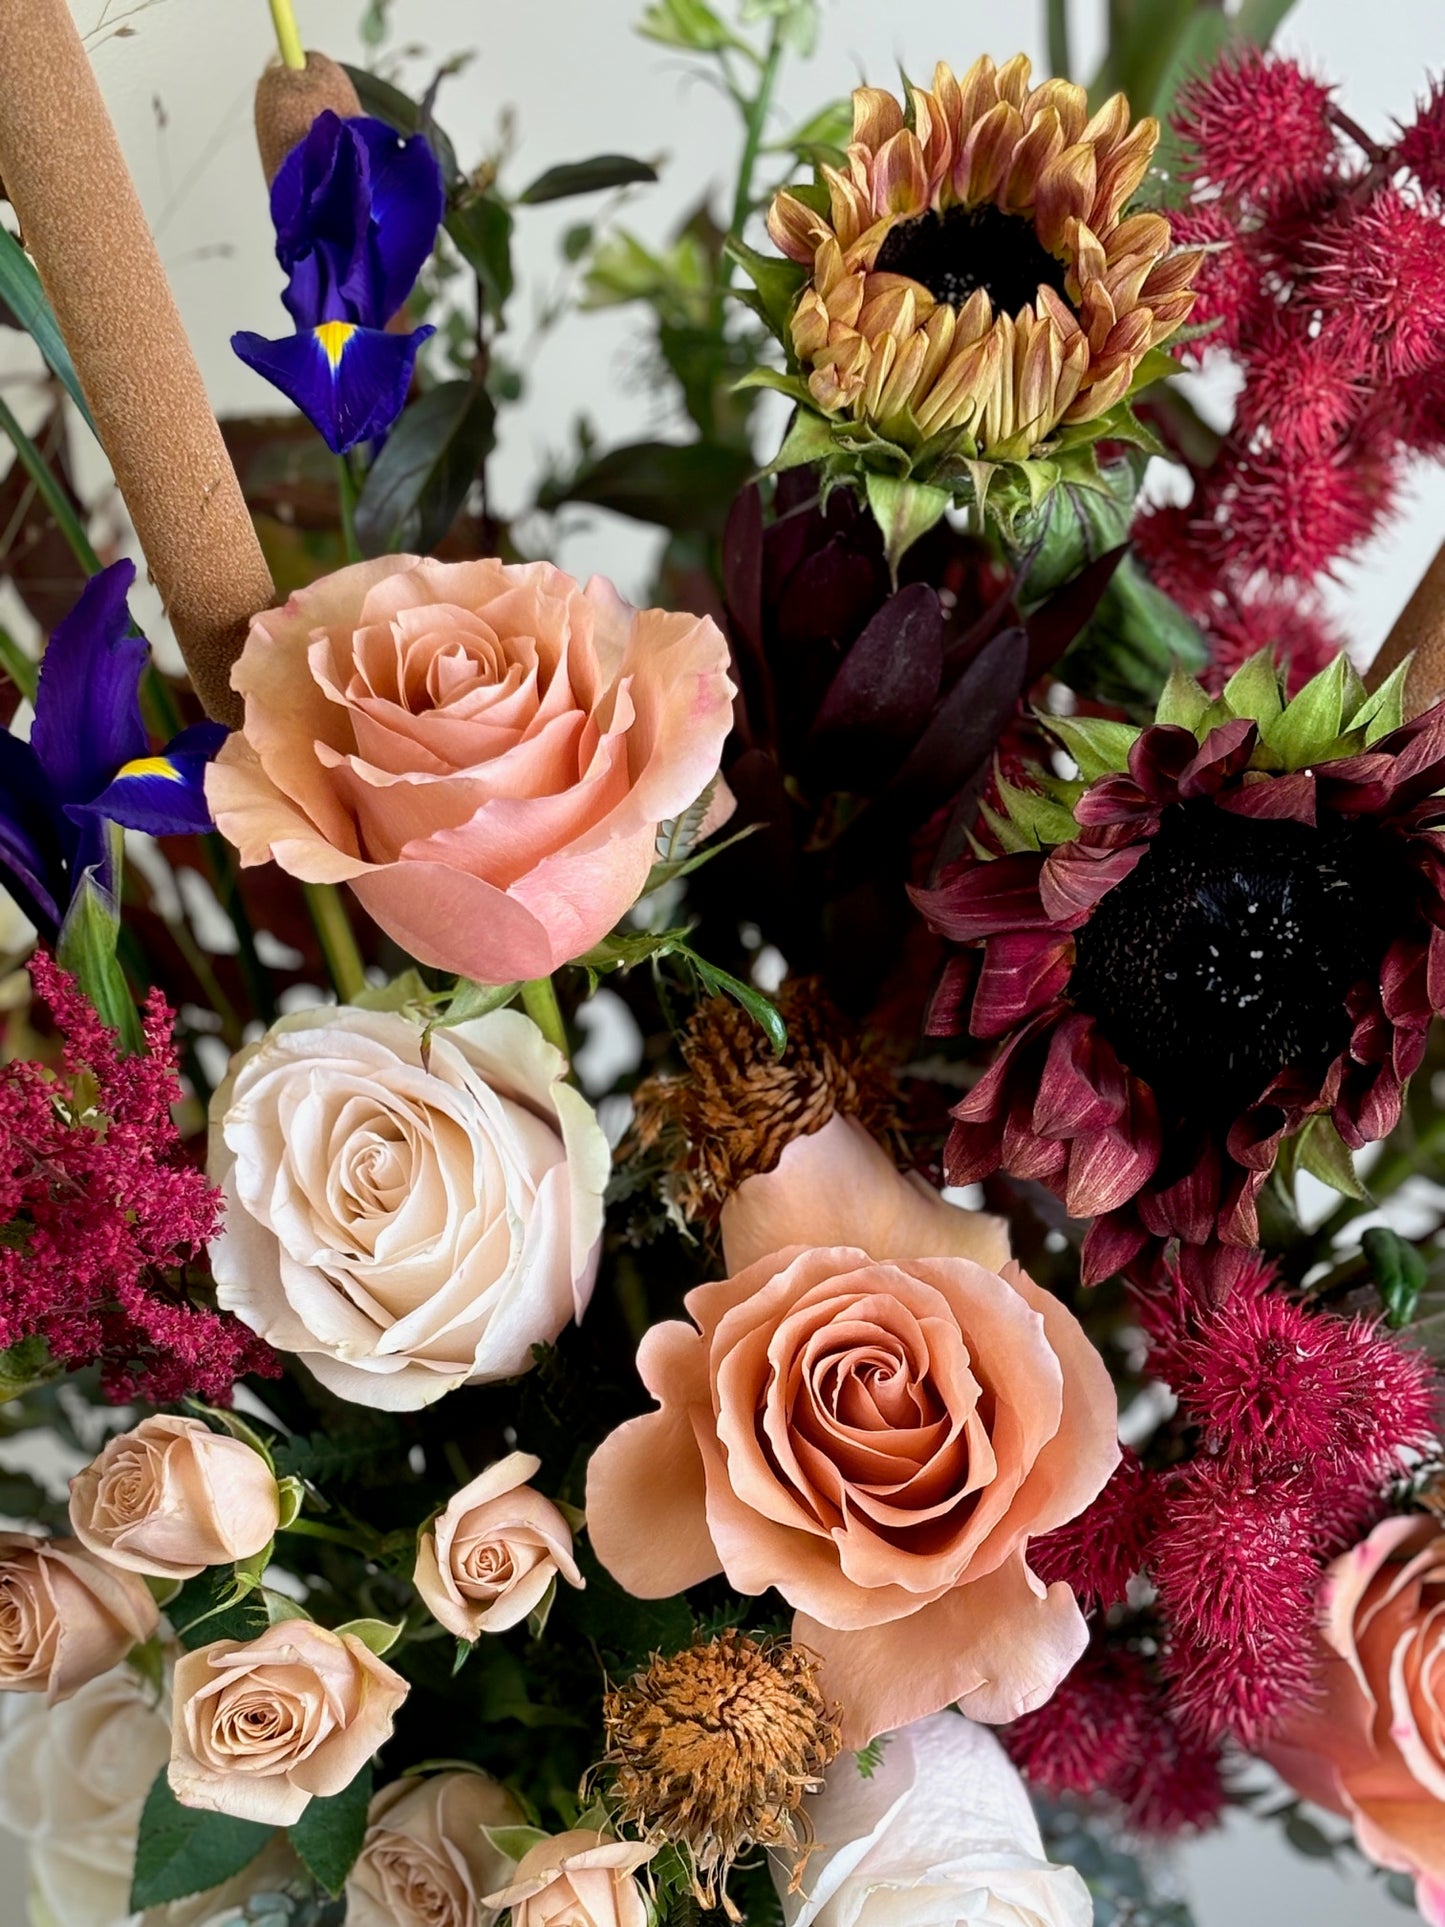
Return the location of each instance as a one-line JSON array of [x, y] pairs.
[[687, 23], [1183, 702], [328, 1836], [377, 1635], [1306, 1838], [688, 486], [421, 477], [586, 177], [763, 1012], [1399, 1272], [471, 1000], [183, 1851], [22, 293], [1044, 820], [1321, 1151], [903, 510], [383, 101], [87, 949], [1074, 525], [809, 437], [209, 1607], [514, 1843], [1098, 746], [1254, 689], [1132, 642], [481, 231], [24, 1366]]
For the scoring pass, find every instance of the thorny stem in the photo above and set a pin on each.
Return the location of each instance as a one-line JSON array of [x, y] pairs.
[[288, 34]]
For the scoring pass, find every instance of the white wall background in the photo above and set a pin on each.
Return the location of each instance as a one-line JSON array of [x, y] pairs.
[[179, 74]]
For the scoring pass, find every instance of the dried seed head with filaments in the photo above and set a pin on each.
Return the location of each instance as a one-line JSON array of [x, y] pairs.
[[714, 1748]]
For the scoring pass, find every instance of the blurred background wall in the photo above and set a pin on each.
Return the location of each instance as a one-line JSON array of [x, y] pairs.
[[179, 74]]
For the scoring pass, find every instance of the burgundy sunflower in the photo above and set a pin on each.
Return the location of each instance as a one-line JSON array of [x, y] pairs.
[[1227, 933]]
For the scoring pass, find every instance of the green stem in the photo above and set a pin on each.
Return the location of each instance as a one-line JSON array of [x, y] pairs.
[[539, 1000], [757, 121], [1057, 28], [338, 943], [288, 34], [334, 1535], [347, 490]]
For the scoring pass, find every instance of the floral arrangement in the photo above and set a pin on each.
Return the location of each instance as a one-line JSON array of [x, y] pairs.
[[778, 1256]]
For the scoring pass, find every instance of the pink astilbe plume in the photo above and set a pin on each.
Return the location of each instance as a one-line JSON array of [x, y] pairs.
[[106, 1223]]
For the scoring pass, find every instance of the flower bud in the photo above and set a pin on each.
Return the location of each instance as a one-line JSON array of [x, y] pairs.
[[288, 99]]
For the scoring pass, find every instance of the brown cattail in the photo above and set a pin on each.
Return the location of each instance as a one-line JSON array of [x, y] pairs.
[[83, 224], [738, 1107], [288, 99], [714, 1748], [1419, 629]]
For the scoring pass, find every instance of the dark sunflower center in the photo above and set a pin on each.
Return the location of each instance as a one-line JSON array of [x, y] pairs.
[[968, 248], [1226, 955]]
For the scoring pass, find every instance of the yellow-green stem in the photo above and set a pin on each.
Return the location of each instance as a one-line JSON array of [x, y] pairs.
[[288, 34], [338, 944], [539, 1000], [348, 491]]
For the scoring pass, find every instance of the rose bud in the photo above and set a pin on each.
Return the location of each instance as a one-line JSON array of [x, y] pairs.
[[580, 1879], [485, 1562], [65, 1616]]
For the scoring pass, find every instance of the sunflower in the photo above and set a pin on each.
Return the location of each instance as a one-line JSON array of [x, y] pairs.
[[1227, 933], [971, 272]]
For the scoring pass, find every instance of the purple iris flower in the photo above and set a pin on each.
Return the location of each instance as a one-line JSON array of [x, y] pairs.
[[88, 762], [356, 210]]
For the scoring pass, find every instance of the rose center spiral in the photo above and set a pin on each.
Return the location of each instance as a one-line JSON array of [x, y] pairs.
[[1227, 954], [956, 253]]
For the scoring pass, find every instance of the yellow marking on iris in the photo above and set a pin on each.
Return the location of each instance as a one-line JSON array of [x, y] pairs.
[[333, 336], [152, 766]]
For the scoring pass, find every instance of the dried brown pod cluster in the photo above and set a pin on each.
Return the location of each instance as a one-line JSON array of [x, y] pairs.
[[738, 1106], [714, 1748]]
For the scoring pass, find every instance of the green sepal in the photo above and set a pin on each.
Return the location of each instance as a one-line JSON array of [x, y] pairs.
[[1099, 747], [1320, 1150], [87, 949], [1309, 729], [809, 438], [514, 1843], [1184, 703], [904, 511], [1034, 817], [377, 1635], [1383, 711], [1254, 690], [778, 282]]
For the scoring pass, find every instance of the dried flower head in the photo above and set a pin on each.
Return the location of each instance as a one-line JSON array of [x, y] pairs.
[[713, 1749], [738, 1106], [972, 272]]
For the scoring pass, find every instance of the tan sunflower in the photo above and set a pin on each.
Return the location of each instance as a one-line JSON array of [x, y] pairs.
[[971, 270]]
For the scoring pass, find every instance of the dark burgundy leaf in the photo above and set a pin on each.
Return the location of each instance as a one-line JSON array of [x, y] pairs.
[[1054, 624], [969, 722], [886, 689]]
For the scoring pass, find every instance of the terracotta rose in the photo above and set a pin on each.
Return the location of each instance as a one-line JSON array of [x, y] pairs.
[[482, 750], [874, 1413], [1373, 1745]]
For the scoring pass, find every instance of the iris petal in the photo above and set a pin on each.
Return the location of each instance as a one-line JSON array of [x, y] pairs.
[[408, 199], [349, 381], [165, 794], [31, 854], [87, 706]]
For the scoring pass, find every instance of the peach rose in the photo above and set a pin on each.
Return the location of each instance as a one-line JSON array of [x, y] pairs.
[[874, 1414], [65, 1616], [427, 1859], [172, 1497], [482, 750], [489, 1558], [257, 1729], [1372, 1747], [406, 1214], [577, 1880]]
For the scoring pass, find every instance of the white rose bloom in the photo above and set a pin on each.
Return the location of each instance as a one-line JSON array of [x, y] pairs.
[[941, 1833], [404, 1221]]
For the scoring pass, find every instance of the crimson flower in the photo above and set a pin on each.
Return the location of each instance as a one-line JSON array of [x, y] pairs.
[[1229, 932]]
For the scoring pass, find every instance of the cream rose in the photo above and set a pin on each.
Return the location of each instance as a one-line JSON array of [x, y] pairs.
[[65, 1616], [482, 750], [577, 1880], [427, 1859], [941, 1832], [259, 1728], [172, 1497], [874, 1413], [489, 1558], [406, 1214]]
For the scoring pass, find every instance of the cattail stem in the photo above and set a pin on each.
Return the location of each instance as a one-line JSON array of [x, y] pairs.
[[1419, 629], [288, 34], [83, 226]]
